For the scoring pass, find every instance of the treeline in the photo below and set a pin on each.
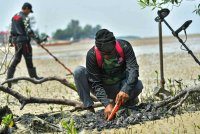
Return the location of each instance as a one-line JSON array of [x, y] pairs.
[[76, 32]]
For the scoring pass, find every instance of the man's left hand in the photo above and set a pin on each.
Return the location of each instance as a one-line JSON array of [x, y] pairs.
[[121, 96]]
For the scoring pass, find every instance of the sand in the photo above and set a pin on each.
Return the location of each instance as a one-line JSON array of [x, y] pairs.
[[177, 65]]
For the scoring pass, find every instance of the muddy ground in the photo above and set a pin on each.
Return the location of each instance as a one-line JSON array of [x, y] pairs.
[[179, 66]]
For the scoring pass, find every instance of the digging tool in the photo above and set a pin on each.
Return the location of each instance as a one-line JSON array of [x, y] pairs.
[[114, 111], [56, 59]]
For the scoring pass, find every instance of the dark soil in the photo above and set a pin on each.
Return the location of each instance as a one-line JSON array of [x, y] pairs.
[[124, 118]]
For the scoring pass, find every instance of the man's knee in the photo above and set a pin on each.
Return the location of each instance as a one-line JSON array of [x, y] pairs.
[[137, 89], [79, 71]]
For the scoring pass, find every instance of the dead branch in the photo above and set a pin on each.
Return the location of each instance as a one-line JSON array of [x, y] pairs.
[[6, 51], [181, 102], [35, 81], [28, 100], [98, 104], [174, 101], [5, 62], [179, 98], [32, 80]]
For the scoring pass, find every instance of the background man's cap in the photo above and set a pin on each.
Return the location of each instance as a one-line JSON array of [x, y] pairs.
[[28, 5]]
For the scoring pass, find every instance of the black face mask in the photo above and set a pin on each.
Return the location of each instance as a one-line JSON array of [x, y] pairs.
[[107, 47]]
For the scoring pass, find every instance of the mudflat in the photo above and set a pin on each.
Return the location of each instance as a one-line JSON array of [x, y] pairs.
[[178, 65]]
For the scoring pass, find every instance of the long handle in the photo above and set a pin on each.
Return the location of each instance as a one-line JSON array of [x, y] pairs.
[[56, 59], [162, 79], [115, 109]]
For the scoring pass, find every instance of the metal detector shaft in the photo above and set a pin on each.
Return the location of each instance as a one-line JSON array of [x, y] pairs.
[[189, 51], [56, 59], [162, 80], [181, 41]]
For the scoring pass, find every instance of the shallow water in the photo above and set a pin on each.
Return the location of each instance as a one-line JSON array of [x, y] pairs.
[[66, 51], [167, 48]]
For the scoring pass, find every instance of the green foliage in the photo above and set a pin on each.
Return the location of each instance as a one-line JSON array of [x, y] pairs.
[[51, 108], [163, 3], [28, 91], [197, 10], [8, 120], [179, 85], [70, 128], [75, 31], [61, 108], [143, 3], [176, 86], [173, 131], [72, 85], [158, 3], [198, 77], [198, 126], [157, 77], [170, 86]]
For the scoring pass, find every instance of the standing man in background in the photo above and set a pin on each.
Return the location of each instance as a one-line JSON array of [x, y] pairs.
[[20, 37]]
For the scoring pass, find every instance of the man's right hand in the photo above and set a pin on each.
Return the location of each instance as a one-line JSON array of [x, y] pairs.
[[108, 110]]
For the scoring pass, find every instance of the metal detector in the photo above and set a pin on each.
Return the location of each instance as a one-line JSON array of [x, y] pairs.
[[160, 91]]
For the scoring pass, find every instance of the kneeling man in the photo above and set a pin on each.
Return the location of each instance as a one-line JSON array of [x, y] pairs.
[[111, 73]]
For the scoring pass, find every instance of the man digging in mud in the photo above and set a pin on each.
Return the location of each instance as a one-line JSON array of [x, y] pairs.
[[21, 34], [111, 73]]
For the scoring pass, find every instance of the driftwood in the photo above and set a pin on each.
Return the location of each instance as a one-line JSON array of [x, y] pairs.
[[97, 104], [174, 101], [177, 100], [28, 100], [34, 81]]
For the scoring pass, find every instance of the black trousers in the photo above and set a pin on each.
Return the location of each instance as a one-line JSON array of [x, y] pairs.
[[24, 49]]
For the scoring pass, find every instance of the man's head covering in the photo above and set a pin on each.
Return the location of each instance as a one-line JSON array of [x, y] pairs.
[[27, 5], [105, 40]]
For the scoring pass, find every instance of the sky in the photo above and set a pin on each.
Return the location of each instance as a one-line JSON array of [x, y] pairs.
[[122, 17]]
